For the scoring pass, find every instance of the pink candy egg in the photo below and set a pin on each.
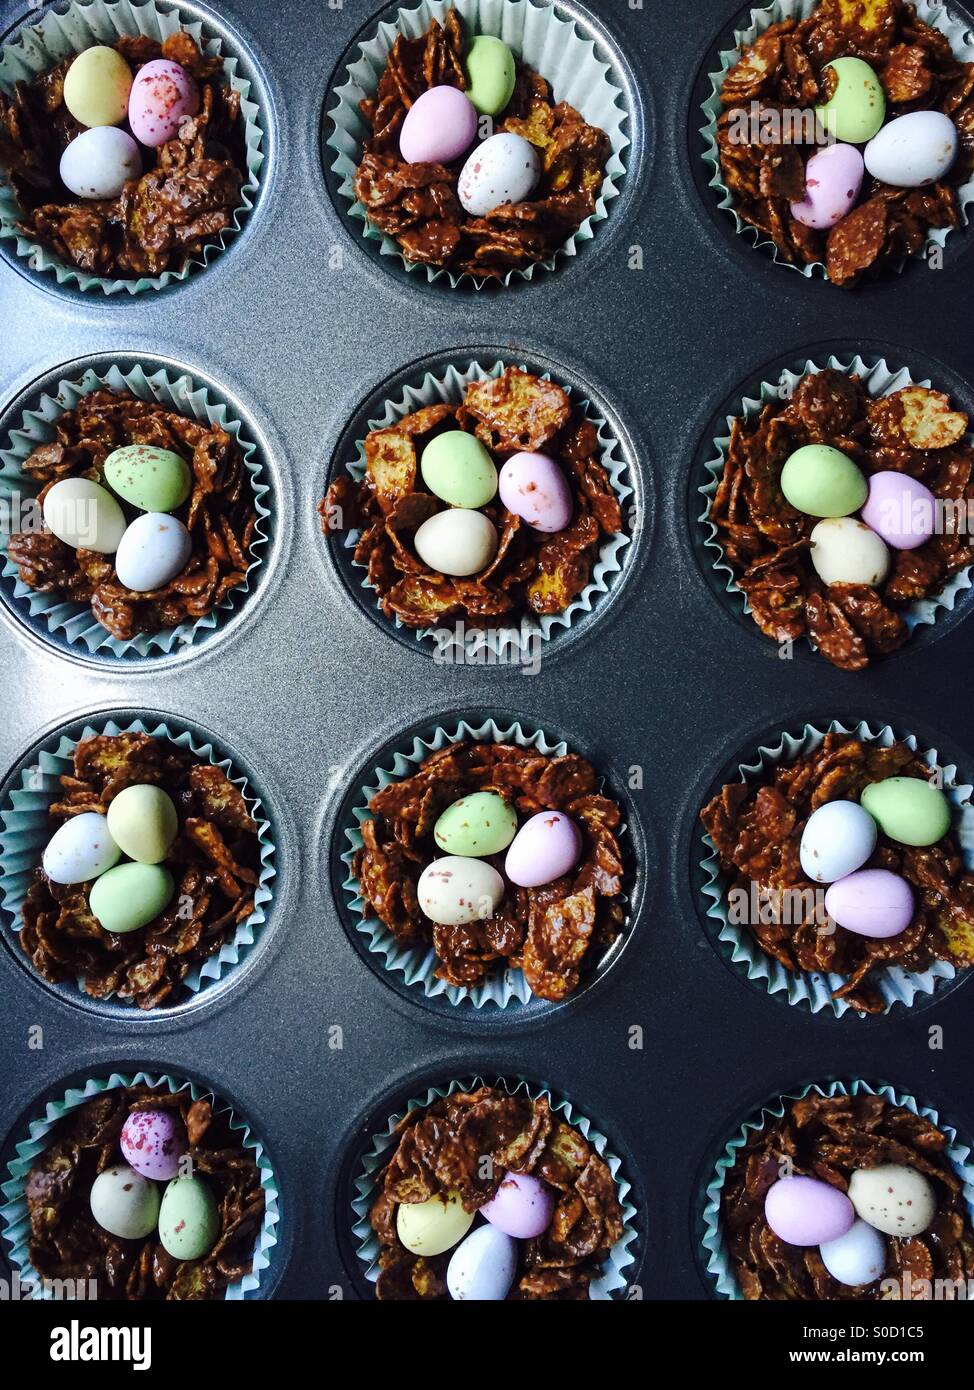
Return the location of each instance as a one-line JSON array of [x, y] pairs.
[[522, 1206], [833, 178], [804, 1211], [546, 846], [440, 126], [153, 1142], [533, 487], [900, 509], [163, 95], [872, 902]]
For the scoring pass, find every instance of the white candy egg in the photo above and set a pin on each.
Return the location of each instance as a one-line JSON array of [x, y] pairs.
[[458, 542], [847, 551], [894, 1199], [454, 890], [504, 169], [124, 1203], [837, 840], [98, 162], [913, 150], [154, 549], [84, 515], [482, 1268], [80, 849], [856, 1258]]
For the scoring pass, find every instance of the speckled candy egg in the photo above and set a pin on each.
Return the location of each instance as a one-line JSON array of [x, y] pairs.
[[914, 150], [457, 542], [476, 826], [521, 1207], [894, 1199], [847, 551], [858, 1257], [84, 515], [99, 162], [81, 849], [458, 469], [833, 178], [432, 1227], [154, 549], [455, 890], [504, 169], [130, 896], [908, 810], [97, 86], [440, 126], [871, 902], [547, 846], [805, 1211], [900, 509], [150, 478], [153, 1142], [188, 1219], [821, 481], [533, 487], [143, 822], [124, 1203], [837, 840], [481, 1269], [491, 74], [857, 107], [163, 96]]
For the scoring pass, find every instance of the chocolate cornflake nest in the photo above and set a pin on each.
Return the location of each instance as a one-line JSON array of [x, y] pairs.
[[782, 71], [549, 932], [531, 572], [451, 1146], [829, 1138], [220, 514], [215, 862], [417, 204], [185, 197], [767, 542], [66, 1241], [756, 828]]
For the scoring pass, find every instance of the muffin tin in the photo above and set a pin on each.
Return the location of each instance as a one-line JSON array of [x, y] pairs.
[[298, 325]]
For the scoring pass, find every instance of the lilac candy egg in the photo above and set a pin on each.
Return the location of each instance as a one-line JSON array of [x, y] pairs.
[[163, 95], [546, 846], [873, 902], [440, 126], [153, 1142], [900, 509], [533, 487], [833, 178], [805, 1211], [522, 1206]]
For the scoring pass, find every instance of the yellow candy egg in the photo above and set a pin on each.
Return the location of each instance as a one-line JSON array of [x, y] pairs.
[[429, 1228], [97, 86]]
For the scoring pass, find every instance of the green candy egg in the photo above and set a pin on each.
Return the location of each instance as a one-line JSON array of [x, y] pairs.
[[458, 469], [188, 1219], [821, 481], [908, 810], [857, 107], [476, 826], [152, 479], [142, 821], [490, 74], [130, 896]]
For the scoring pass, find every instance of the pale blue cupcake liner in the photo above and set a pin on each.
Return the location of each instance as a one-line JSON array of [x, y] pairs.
[[75, 623], [51, 36], [717, 1261], [814, 990], [613, 1281], [27, 828], [41, 1132]]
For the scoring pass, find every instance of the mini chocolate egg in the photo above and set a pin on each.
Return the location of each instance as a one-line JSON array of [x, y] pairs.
[[893, 1199], [481, 1268], [99, 162], [155, 548], [150, 478], [458, 542], [143, 822], [163, 95], [521, 1207], [900, 509], [440, 126], [837, 840], [858, 1257], [504, 169], [84, 515], [80, 850], [857, 107], [153, 1142], [805, 1211], [458, 469], [491, 74], [456, 889], [847, 551], [871, 902], [908, 810], [476, 826], [533, 487], [546, 846], [914, 150], [124, 1203], [434, 1226], [97, 86], [822, 481], [130, 896], [188, 1219], [833, 178]]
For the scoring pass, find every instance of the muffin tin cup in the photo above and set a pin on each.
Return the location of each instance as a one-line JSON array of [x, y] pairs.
[[74, 625], [26, 830], [611, 1284], [14, 1218], [53, 36], [897, 986], [878, 380], [540, 36], [716, 1257], [933, 12]]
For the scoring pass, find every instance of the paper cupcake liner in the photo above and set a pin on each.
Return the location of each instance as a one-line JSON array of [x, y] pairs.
[[14, 1215], [717, 1261], [612, 1283], [417, 964], [539, 36], [878, 380], [50, 37], [26, 830], [75, 623], [507, 644], [932, 12], [897, 986]]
